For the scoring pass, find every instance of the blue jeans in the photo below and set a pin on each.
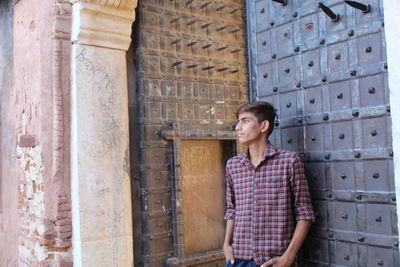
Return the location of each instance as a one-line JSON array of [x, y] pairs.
[[241, 263]]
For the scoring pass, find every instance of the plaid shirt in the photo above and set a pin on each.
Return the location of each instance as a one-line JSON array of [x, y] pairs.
[[264, 202]]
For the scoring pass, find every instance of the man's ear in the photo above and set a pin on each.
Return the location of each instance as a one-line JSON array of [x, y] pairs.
[[264, 126]]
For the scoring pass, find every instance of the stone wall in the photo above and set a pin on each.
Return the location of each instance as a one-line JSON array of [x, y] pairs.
[[8, 182], [41, 105]]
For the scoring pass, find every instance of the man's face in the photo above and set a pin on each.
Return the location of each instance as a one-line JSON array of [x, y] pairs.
[[249, 130]]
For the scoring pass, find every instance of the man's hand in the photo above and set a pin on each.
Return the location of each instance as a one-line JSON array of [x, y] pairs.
[[228, 252], [278, 262]]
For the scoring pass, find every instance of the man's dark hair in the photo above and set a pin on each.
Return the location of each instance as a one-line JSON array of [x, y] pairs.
[[262, 111]]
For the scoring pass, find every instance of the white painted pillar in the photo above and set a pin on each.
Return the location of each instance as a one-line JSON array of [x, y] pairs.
[[101, 193], [392, 33]]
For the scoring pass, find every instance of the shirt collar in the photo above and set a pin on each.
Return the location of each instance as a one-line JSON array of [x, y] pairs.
[[270, 151]]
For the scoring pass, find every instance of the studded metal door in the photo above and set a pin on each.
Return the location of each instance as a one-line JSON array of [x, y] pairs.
[[328, 81], [191, 76]]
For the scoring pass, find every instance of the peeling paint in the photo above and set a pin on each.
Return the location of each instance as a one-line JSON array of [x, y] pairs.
[[30, 161]]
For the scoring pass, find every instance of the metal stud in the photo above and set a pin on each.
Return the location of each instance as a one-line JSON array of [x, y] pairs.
[[275, 89], [357, 5], [345, 217], [334, 17], [287, 71], [337, 56], [327, 156], [264, 43], [374, 132], [353, 73], [208, 68], [290, 140], [368, 49], [375, 175], [176, 41], [298, 85], [341, 136], [220, 8], [313, 138], [378, 219], [262, 10], [192, 66], [325, 117], [346, 258], [205, 4], [311, 63], [323, 79], [357, 155], [343, 176], [191, 22], [265, 75], [175, 20], [205, 25], [191, 43], [371, 90], [297, 49], [288, 105], [189, 2], [222, 28], [273, 56], [339, 96], [312, 100], [176, 63], [351, 33], [282, 2], [361, 238], [355, 113]]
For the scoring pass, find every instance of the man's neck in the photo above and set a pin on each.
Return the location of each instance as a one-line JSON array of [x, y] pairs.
[[257, 150]]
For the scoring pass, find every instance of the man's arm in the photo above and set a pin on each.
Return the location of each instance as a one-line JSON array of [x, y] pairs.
[[289, 256], [228, 252]]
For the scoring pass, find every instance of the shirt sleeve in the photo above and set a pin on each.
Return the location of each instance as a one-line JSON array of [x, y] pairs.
[[302, 199], [230, 198]]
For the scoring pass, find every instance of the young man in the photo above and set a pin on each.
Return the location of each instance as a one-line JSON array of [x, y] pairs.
[[266, 193]]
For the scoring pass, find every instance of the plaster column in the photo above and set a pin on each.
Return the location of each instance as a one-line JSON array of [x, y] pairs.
[[101, 193], [392, 32]]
